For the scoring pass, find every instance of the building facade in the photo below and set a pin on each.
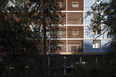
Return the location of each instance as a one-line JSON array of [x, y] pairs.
[[73, 36]]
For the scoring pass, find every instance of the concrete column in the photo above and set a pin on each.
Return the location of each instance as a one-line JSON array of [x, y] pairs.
[[48, 60], [64, 64], [80, 60], [48, 65], [96, 60]]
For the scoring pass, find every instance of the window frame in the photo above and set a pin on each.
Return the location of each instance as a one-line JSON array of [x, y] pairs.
[[75, 5], [77, 32], [98, 42]]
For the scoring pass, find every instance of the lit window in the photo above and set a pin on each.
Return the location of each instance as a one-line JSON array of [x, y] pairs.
[[97, 44], [96, 30], [58, 32], [75, 32], [75, 4]]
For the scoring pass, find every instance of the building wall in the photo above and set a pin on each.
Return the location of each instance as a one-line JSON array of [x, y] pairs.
[[87, 5], [74, 20], [104, 47], [88, 46], [61, 28], [89, 37], [63, 19], [63, 5]]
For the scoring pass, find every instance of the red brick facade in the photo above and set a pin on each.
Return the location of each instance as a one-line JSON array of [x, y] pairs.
[[69, 37]]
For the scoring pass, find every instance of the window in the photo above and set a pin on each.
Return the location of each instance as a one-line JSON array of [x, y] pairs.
[[75, 32], [75, 4], [96, 29], [58, 32], [97, 44]]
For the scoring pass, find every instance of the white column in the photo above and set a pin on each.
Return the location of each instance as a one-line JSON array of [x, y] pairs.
[[48, 60], [66, 25], [64, 64], [96, 60], [49, 39], [48, 65], [80, 60]]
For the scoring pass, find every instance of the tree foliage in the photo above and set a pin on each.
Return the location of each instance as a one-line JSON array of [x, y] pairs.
[[104, 14], [18, 41]]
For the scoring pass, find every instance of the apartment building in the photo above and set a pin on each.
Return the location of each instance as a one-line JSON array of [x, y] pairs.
[[73, 38]]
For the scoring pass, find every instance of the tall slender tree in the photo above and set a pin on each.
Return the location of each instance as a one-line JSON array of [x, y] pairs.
[[47, 13], [17, 39]]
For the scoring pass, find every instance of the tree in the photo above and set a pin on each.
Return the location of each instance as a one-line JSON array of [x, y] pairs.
[[17, 41], [106, 15], [47, 12]]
